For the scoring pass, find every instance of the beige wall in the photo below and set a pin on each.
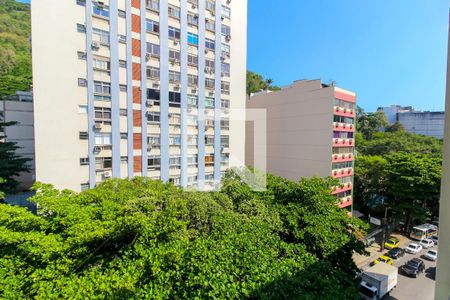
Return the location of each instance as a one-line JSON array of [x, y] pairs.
[[299, 130], [22, 133]]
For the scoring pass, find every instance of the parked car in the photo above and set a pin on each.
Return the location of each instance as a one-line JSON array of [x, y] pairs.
[[384, 259], [431, 255], [392, 243], [427, 243], [414, 248], [435, 239], [396, 253], [413, 267]]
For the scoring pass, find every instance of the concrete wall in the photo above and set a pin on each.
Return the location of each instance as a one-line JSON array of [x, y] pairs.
[[424, 123], [22, 133], [299, 130]]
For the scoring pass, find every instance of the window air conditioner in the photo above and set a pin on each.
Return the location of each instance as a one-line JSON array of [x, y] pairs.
[[107, 174], [98, 126], [97, 149], [150, 103], [147, 57], [95, 45]]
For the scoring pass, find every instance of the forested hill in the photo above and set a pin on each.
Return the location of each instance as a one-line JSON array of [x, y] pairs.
[[15, 54]]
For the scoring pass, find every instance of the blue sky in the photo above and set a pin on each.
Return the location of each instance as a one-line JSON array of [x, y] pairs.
[[389, 52]]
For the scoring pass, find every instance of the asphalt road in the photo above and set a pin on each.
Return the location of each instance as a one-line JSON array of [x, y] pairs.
[[421, 287]]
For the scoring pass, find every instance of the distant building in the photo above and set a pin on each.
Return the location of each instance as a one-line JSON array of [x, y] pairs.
[[310, 132], [418, 122], [19, 108]]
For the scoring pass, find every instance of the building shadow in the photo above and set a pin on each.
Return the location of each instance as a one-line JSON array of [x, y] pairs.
[[431, 273]]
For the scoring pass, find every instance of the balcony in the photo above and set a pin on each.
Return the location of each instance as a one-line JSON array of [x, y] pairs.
[[345, 202], [342, 188], [343, 127], [339, 173], [342, 157], [343, 142], [345, 112]]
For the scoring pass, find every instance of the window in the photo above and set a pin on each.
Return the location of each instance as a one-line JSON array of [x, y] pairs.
[[174, 56], [174, 99], [174, 33], [342, 165], [192, 160], [82, 82], [192, 180], [84, 135], [209, 140], [209, 83], [99, 9], [341, 119], [124, 159], [81, 2], [122, 87], [81, 55], [103, 139], [153, 49], [209, 102], [175, 140], [226, 30], [100, 36], [153, 94], [101, 64], [192, 140], [84, 187], [102, 115], [225, 103], [192, 80], [152, 72], [225, 50], [122, 39], [175, 181], [102, 91], [124, 136], [225, 124], [152, 26], [344, 104], [225, 141], [174, 119], [102, 163], [122, 63], [226, 12], [81, 28], [210, 5], [210, 44], [192, 60], [153, 117], [210, 65], [84, 161], [154, 141], [192, 20], [82, 109], [209, 122], [342, 135], [225, 87], [175, 161], [225, 157], [209, 160], [226, 69], [210, 25], [153, 5], [192, 38], [192, 120], [192, 100], [174, 12], [154, 163], [209, 177], [341, 150], [174, 77]]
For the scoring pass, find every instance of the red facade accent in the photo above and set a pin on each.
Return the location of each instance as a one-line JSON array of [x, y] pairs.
[[136, 47], [137, 141], [344, 97], [136, 4], [136, 71], [135, 23], [137, 167], [137, 95], [137, 119]]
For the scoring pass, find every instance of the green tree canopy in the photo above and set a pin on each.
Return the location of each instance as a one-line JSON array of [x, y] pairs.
[[370, 123], [134, 239], [256, 83]]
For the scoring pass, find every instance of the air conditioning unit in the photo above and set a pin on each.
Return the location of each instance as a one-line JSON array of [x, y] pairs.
[[222, 58], [172, 61], [107, 174], [175, 42], [206, 51], [213, 13], [222, 18], [147, 57], [98, 126], [155, 85], [150, 103], [194, 6], [95, 45], [211, 71], [100, 5], [177, 87], [211, 93], [228, 1], [228, 38], [194, 91], [97, 149]]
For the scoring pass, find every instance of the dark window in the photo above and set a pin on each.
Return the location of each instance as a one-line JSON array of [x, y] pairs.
[[153, 94]]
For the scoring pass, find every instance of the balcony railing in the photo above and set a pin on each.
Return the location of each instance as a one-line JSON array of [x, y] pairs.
[[343, 127], [344, 111], [338, 173], [343, 142], [342, 157]]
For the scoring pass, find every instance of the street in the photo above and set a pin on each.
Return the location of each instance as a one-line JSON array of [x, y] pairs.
[[421, 287], [408, 288]]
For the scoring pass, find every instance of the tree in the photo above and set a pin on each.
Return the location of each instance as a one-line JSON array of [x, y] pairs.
[[396, 127], [144, 239], [11, 164], [256, 83], [370, 123]]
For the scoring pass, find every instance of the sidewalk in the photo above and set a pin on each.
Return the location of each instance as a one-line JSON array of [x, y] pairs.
[[374, 252]]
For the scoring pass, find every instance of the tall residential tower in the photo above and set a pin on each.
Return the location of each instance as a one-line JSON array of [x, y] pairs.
[[310, 132], [127, 88]]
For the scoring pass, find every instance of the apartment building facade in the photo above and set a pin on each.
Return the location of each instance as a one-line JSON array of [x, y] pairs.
[[18, 109], [310, 132], [128, 88]]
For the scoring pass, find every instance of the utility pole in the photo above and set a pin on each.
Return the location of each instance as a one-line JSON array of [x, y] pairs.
[[385, 225]]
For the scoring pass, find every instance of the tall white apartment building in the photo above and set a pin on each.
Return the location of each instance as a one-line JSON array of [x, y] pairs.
[[126, 88]]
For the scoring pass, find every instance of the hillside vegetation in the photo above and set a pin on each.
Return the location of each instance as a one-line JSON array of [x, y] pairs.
[[15, 52]]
